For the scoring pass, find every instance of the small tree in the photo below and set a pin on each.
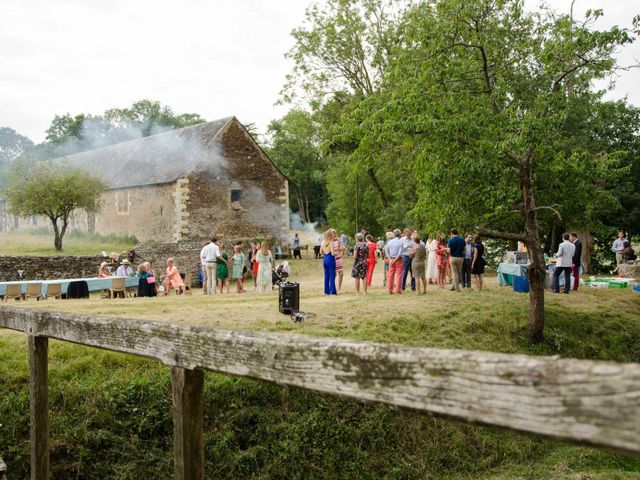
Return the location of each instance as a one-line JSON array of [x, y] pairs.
[[42, 188]]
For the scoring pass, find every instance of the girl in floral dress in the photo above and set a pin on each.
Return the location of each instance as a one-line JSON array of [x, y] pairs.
[[360, 255], [442, 259]]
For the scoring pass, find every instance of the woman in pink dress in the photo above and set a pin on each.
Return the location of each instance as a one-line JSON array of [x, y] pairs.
[[103, 271], [172, 278]]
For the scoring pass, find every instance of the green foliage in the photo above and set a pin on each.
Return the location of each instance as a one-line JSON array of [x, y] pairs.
[[41, 188], [145, 115], [12, 145]]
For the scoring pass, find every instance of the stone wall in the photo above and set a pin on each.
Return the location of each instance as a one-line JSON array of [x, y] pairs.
[[43, 268], [263, 205]]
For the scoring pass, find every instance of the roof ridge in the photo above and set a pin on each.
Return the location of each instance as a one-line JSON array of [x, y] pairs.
[[156, 135]]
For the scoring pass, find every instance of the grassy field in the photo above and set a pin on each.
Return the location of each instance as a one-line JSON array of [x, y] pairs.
[[111, 418], [73, 243]]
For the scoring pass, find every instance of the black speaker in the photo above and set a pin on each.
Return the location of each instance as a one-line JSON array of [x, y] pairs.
[[289, 297]]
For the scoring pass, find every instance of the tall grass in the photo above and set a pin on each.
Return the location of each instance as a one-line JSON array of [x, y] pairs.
[[111, 413]]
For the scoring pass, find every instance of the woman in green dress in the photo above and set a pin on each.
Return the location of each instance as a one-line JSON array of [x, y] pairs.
[[237, 272], [222, 269]]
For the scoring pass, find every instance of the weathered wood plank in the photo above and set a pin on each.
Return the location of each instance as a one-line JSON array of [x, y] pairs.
[[188, 439], [583, 401], [39, 406]]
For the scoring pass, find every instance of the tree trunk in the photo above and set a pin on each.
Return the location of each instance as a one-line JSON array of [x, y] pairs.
[[378, 188], [587, 249], [59, 232], [57, 239], [302, 211], [537, 272]]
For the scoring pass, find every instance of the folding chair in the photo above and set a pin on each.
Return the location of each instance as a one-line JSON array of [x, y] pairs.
[[187, 284], [14, 290], [118, 285], [54, 290], [34, 290]]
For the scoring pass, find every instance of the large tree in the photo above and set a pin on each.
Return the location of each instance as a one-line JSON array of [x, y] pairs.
[[42, 188], [12, 145], [294, 147], [340, 55], [482, 93]]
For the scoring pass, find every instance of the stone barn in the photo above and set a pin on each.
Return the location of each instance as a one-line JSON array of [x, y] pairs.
[[185, 185]]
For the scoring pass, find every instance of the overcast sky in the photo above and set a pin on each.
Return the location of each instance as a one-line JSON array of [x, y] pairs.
[[209, 57]]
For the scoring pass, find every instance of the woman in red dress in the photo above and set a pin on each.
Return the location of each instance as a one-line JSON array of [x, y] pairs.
[[371, 259], [442, 259]]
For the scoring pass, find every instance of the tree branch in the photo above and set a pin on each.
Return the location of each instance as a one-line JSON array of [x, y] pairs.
[[552, 208], [486, 232]]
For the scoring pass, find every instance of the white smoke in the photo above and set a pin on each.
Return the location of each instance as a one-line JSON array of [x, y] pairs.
[[306, 231]]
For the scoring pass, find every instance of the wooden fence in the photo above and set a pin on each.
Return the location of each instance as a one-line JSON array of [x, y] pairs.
[[581, 401]]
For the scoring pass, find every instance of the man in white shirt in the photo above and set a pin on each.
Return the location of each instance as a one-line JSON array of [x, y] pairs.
[[203, 268], [564, 264], [210, 255], [124, 270], [618, 247]]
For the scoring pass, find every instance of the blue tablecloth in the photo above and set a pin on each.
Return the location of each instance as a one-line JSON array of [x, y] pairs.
[[94, 284], [506, 272]]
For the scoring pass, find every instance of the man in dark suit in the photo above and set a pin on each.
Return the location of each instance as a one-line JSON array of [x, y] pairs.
[[576, 259]]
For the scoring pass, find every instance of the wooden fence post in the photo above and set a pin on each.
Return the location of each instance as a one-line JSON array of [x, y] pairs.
[[188, 441], [39, 406]]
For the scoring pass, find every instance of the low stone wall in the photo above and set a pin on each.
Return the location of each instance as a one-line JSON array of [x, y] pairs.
[[43, 268]]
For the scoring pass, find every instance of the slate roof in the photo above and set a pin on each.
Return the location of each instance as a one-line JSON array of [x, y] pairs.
[[156, 159]]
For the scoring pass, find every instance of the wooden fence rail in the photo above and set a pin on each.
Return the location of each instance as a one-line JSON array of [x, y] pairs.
[[581, 401]]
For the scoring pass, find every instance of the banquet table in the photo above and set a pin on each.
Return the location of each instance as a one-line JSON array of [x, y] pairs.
[[94, 284]]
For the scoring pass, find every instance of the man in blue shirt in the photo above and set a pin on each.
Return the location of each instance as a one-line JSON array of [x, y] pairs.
[[455, 247]]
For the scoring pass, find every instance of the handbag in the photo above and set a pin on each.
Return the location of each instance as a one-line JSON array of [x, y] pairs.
[[151, 280]]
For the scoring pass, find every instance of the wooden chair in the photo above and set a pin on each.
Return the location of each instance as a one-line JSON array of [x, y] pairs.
[[118, 285], [34, 290], [54, 290], [14, 290]]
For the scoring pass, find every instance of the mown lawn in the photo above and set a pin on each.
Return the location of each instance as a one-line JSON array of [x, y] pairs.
[[111, 418], [73, 243]]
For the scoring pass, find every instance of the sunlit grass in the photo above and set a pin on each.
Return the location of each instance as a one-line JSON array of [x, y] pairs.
[[73, 243]]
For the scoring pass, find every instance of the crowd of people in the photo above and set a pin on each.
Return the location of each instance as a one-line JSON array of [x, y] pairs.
[[404, 255], [218, 267], [407, 259]]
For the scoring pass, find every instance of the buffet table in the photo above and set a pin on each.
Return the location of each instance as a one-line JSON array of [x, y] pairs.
[[506, 272]]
